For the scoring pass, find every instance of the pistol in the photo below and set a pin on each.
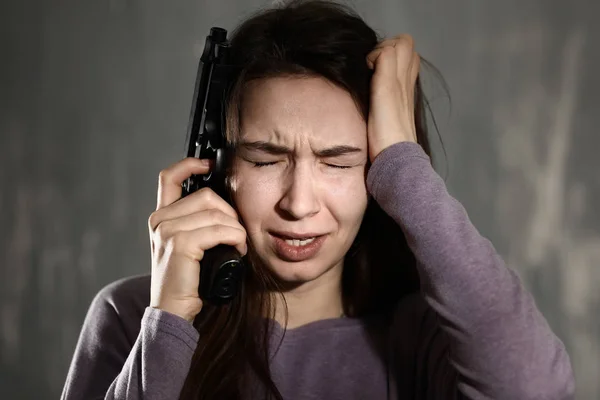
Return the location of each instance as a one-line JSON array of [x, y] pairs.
[[222, 269]]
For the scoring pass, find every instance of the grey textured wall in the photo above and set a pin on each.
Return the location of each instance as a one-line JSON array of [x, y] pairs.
[[95, 98]]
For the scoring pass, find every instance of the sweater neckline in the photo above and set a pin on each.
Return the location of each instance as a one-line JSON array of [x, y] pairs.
[[321, 325]]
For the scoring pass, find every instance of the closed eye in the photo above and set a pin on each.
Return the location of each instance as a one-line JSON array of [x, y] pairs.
[[338, 166], [266, 164], [263, 164]]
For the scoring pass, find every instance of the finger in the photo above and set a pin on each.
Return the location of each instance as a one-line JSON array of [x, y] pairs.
[[372, 56], [195, 243], [201, 200], [171, 178], [404, 56], [405, 40], [384, 60], [415, 67], [202, 219], [404, 46], [402, 40]]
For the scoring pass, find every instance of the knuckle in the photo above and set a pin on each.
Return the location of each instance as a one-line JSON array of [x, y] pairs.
[[237, 234], [163, 176], [387, 50], [153, 221], [215, 216], [242, 235], [207, 195], [406, 38], [219, 230]]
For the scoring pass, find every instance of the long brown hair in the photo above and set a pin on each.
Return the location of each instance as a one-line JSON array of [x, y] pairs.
[[300, 38]]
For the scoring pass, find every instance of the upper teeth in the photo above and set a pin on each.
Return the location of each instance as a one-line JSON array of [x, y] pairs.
[[297, 242]]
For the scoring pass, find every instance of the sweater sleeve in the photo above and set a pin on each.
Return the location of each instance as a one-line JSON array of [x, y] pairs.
[[111, 364], [486, 338]]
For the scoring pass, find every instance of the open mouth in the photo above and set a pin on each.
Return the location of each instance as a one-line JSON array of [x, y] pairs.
[[295, 240], [297, 248]]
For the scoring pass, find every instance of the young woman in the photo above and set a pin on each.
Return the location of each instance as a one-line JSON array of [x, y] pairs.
[[366, 279]]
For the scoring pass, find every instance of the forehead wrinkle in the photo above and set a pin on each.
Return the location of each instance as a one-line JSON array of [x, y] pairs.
[[290, 128], [301, 143], [303, 116]]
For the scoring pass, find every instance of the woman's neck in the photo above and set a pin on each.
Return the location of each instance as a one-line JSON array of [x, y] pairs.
[[312, 301]]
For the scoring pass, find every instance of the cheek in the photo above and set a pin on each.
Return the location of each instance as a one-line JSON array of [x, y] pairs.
[[254, 196], [351, 186], [349, 199]]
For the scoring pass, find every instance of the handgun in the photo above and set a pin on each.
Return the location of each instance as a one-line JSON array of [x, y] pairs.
[[222, 268]]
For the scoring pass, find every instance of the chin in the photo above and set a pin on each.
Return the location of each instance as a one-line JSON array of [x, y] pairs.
[[297, 273]]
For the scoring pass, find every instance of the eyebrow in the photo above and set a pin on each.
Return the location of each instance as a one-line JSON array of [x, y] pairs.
[[276, 149]]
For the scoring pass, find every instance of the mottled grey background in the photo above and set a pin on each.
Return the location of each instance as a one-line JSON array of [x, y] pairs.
[[95, 98]]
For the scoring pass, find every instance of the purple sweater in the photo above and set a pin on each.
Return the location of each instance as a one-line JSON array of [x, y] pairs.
[[472, 332]]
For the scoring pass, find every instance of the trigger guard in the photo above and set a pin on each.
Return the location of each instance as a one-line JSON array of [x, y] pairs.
[[219, 169]]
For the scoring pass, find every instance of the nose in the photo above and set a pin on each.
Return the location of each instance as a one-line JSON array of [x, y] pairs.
[[300, 198]]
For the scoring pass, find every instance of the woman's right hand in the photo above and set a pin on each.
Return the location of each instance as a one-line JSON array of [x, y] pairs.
[[180, 231]]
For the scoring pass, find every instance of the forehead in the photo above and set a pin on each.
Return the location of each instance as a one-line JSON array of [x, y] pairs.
[[285, 108]]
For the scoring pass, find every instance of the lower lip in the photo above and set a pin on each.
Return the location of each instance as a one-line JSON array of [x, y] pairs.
[[290, 252]]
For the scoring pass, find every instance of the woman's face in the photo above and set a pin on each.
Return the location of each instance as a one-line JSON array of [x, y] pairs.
[[312, 141]]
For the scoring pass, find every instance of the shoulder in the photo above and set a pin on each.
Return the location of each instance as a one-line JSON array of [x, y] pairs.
[[121, 303], [109, 332], [129, 292]]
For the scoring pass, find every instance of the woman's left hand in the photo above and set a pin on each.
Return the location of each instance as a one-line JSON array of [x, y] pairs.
[[391, 114]]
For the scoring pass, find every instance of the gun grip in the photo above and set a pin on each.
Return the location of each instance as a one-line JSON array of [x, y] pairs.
[[221, 274]]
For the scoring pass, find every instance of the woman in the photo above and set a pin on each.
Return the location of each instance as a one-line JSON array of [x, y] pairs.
[[366, 278]]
